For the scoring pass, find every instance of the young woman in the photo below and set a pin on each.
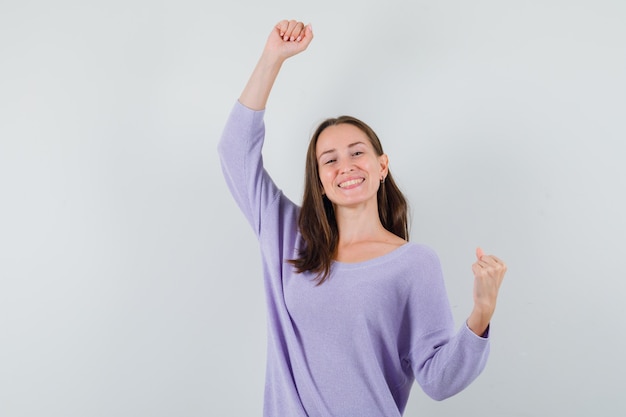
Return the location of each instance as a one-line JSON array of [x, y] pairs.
[[356, 313]]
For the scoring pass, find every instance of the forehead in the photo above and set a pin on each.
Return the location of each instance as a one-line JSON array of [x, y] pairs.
[[340, 136]]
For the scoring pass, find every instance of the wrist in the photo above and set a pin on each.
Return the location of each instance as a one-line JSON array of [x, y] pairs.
[[271, 60], [479, 320]]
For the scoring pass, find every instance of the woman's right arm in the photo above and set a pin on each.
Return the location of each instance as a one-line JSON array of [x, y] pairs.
[[242, 139], [288, 38]]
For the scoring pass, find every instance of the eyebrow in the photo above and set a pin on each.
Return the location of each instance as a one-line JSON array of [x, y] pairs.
[[333, 149]]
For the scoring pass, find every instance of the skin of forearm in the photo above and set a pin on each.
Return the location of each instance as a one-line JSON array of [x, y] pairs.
[[479, 320], [259, 86]]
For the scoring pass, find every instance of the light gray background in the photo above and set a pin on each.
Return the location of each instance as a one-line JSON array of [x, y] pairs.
[[130, 285]]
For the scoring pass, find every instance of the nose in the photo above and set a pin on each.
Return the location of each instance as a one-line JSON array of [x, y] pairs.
[[346, 166]]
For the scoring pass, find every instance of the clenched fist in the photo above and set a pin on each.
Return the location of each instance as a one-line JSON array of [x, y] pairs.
[[488, 275], [288, 38]]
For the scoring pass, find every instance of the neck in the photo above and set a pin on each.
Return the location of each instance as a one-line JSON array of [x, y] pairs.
[[358, 224]]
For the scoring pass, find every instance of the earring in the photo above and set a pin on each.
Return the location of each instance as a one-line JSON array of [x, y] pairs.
[[382, 180]]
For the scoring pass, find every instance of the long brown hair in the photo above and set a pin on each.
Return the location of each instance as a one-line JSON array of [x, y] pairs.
[[317, 222]]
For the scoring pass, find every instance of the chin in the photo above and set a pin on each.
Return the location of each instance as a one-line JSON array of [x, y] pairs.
[[353, 202]]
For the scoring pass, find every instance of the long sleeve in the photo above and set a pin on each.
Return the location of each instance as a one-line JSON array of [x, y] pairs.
[[242, 164], [443, 362]]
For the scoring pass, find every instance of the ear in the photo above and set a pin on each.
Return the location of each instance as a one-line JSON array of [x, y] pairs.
[[383, 160]]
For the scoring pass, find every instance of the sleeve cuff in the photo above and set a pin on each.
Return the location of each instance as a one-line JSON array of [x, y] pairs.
[[243, 106], [485, 335]]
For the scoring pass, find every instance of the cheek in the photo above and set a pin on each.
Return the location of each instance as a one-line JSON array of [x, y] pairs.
[[324, 177]]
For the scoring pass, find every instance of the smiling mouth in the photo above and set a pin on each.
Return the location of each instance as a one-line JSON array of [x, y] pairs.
[[351, 183]]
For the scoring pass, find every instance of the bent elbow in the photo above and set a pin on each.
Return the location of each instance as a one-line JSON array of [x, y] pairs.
[[440, 389], [439, 394]]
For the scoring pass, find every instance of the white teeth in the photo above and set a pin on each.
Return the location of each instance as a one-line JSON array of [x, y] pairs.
[[351, 182]]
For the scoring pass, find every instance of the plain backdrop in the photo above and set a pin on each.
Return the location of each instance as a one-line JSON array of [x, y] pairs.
[[130, 284]]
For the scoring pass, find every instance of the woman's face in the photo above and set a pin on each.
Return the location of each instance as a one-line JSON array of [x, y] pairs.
[[349, 169]]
